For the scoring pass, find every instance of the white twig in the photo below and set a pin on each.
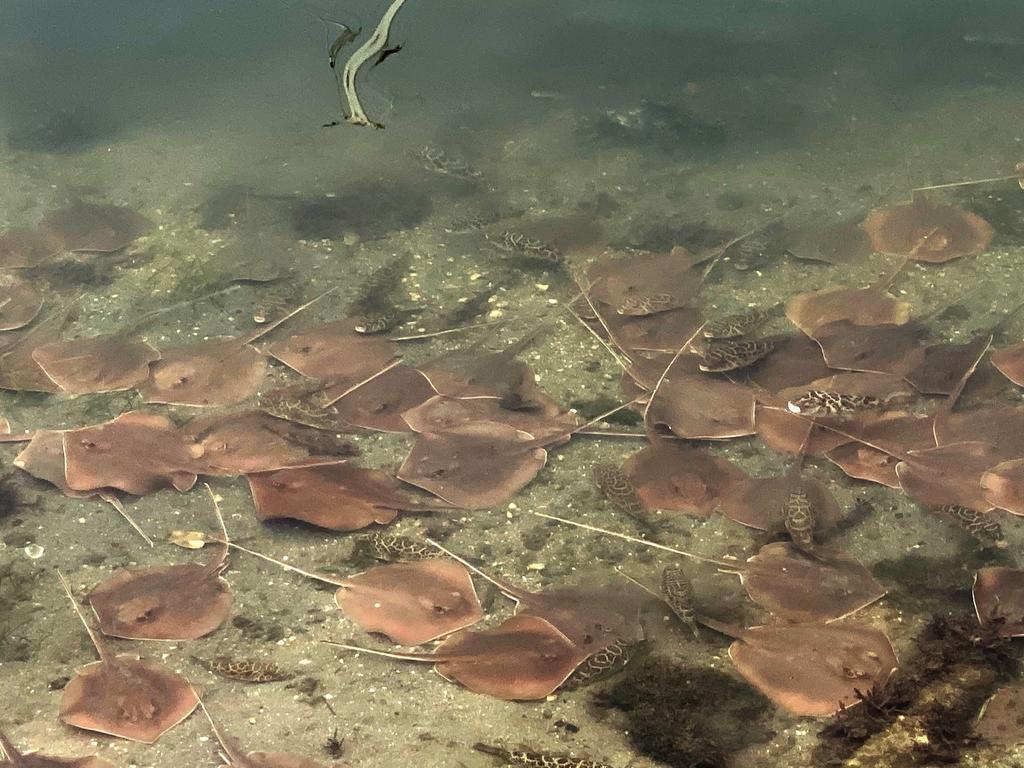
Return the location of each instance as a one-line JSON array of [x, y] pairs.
[[376, 42]]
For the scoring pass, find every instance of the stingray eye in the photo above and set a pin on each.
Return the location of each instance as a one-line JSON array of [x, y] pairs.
[[87, 444], [588, 639], [440, 610]]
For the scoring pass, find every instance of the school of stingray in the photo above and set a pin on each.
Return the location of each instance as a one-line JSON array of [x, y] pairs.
[[857, 379]]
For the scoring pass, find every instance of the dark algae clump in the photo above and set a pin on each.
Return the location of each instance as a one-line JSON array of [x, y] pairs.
[[670, 719], [925, 712]]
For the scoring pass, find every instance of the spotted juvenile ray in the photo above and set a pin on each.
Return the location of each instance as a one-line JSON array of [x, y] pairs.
[[137, 453], [15, 759], [520, 244], [670, 475], [411, 603], [166, 602], [124, 696], [107, 363], [94, 228], [734, 354], [525, 658], [922, 231], [437, 160], [235, 757], [591, 617], [245, 670], [537, 759], [999, 597], [392, 547], [20, 302], [336, 496], [980, 525], [614, 484], [813, 669], [604, 663], [738, 324], [819, 402], [676, 591]]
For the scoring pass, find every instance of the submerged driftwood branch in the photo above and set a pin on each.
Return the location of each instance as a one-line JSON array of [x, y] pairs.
[[376, 42]]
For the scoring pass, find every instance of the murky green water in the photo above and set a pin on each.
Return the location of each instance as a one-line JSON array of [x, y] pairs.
[[521, 141]]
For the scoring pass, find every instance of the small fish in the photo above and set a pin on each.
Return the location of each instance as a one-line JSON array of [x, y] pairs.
[[520, 244], [391, 547], [437, 160], [602, 664], [373, 323], [738, 324], [976, 523], [732, 355], [472, 222], [347, 36], [798, 517], [615, 485], [385, 54], [677, 590], [246, 670], [751, 253], [818, 402], [537, 759], [648, 304]]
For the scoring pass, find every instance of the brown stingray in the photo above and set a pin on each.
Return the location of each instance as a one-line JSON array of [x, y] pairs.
[[798, 588], [380, 403], [412, 603], [21, 248], [1010, 362], [591, 617], [895, 432], [843, 243], [885, 348], [334, 352], [615, 279], [15, 759], [999, 597], [165, 602], [698, 407], [922, 231], [1001, 426], [137, 453], [670, 475], [948, 474], [786, 432], [99, 364], [857, 306], [220, 371], [796, 362], [1003, 486], [89, 227], [525, 658], [124, 696], [251, 441], [664, 331], [475, 466], [1001, 720], [18, 369], [336, 496], [443, 414], [757, 502], [813, 669], [43, 458], [20, 302], [234, 756]]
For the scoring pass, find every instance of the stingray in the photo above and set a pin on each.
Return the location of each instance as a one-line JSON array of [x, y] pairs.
[[1001, 720], [20, 302], [857, 306], [796, 362], [474, 466], [234, 756], [999, 597], [108, 363], [615, 280], [591, 617], [444, 414], [813, 669], [797, 588], [124, 696], [334, 352], [217, 372], [15, 759], [249, 442], [665, 331], [841, 244], [670, 475], [922, 231], [93, 228], [890, 433], [999, 425], [137, 453], [697, 407], [525, 658], [410, 602], [166, 602], [1003, 486], [757, 502], [380, 402], [1009, 361], [887, 348], [22, 248], [336, 496]]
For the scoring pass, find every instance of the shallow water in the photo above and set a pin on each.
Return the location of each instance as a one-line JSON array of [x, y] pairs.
[[590, 125]]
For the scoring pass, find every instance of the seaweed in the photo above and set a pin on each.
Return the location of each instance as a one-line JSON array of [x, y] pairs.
[[924, 713], [670, 719]]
